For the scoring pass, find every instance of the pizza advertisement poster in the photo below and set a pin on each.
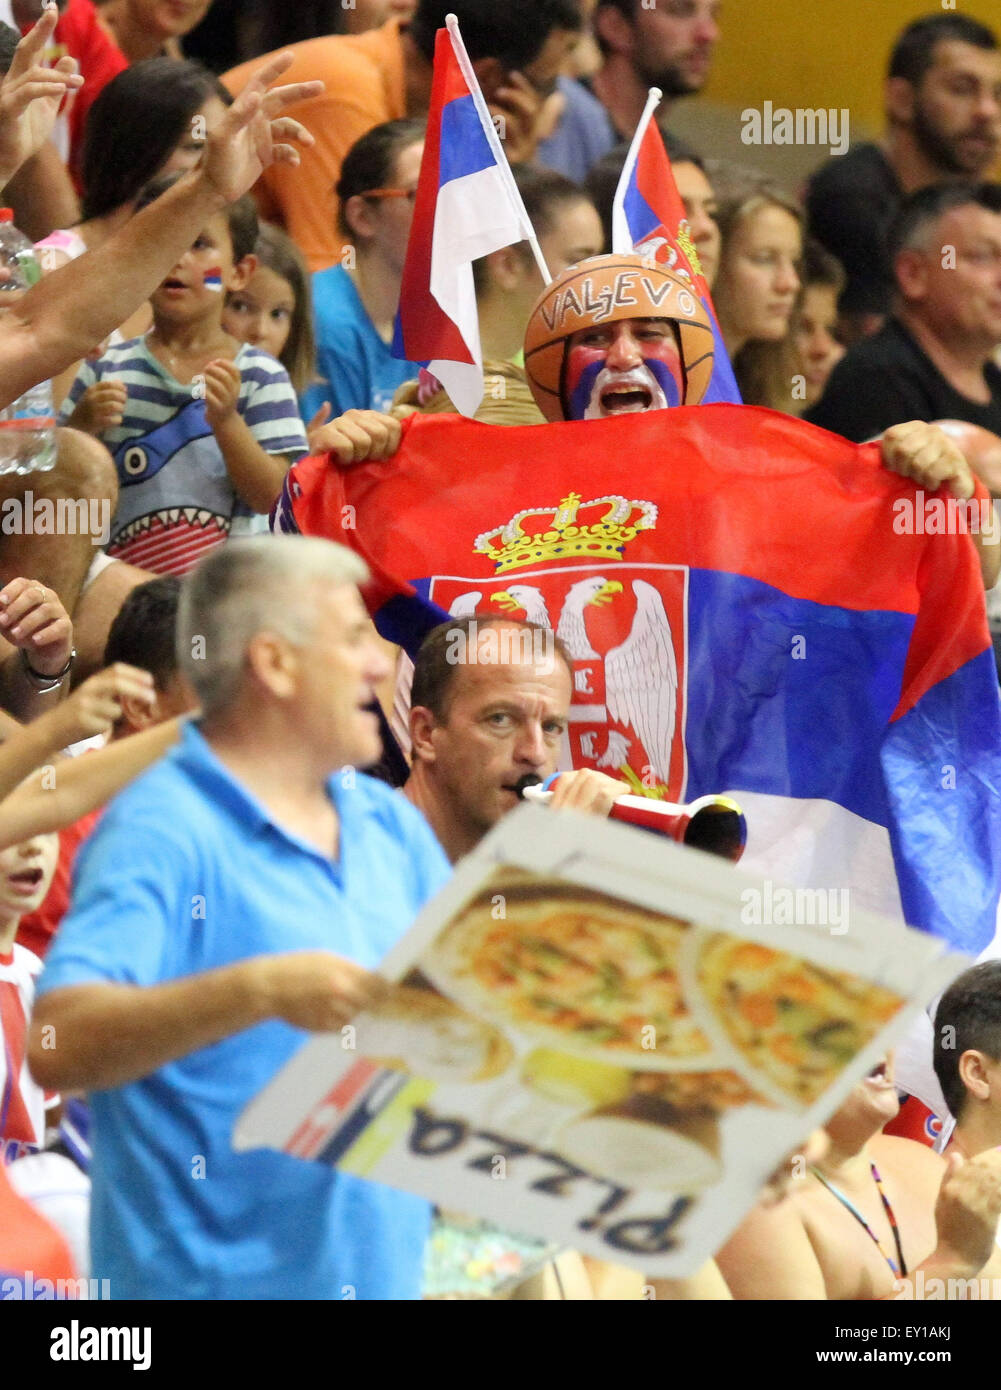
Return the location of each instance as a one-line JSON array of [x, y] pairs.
[[605, 1040]]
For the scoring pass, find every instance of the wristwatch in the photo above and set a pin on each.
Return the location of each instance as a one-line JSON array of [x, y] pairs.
[[45, 683]]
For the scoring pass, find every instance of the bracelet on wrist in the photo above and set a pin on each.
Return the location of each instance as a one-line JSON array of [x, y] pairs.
[[41, 682]]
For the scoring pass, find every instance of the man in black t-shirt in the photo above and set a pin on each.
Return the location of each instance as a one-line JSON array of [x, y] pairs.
[[933, 358], [888, 378], [943, 103]]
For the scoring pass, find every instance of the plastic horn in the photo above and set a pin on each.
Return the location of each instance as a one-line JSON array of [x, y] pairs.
[[715, 824]]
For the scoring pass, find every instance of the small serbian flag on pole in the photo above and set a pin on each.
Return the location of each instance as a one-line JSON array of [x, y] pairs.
[[648, 217], [467, 206]]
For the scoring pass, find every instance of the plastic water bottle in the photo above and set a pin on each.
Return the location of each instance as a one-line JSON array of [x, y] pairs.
[[27, 425]]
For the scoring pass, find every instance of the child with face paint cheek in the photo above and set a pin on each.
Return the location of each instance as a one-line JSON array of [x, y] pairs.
[[622, 368], [202, 427]]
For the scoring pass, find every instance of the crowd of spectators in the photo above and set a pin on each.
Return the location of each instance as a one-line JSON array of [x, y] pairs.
[[221, 256]]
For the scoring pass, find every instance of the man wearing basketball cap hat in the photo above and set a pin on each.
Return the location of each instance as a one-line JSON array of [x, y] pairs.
[[617, 335]]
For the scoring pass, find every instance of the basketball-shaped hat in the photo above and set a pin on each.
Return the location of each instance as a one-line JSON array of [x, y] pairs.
[[607, 289]]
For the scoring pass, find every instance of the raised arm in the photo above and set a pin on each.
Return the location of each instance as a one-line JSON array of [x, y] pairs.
[[966, 1223], [88, 711], [62, 317], [57, 796]]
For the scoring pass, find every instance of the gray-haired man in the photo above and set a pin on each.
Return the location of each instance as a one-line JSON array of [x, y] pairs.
[[238, 893]]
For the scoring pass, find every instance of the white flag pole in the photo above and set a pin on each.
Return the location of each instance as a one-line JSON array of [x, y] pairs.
[[620, 227], [493, 140]]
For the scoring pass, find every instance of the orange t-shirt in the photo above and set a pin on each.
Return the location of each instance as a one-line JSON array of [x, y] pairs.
[[363, 75]]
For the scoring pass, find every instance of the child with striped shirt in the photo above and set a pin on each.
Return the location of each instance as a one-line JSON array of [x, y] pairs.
[[202, 428]]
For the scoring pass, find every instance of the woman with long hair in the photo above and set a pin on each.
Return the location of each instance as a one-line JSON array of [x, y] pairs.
[[757, 284]]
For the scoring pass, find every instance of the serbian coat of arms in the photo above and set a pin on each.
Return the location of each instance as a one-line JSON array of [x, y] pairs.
[[624, 626]]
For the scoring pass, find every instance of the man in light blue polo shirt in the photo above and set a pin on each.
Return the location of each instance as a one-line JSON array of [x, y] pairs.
[[237, 894]]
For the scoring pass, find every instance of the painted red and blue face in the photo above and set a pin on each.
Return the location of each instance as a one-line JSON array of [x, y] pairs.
[[622, 368]]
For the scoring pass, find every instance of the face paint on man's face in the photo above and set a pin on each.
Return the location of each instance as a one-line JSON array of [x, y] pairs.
[[622, 370]]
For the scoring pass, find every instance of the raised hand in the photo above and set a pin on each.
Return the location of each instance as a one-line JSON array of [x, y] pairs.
[[528, 116], [968, 1209], [31, 95], [97, 705], [254, 134]]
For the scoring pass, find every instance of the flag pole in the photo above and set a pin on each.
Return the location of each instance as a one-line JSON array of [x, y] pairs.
[[486, 120], [653, 100]]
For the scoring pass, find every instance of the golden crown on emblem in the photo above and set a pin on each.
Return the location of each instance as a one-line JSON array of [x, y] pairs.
[[562, 535], [684, 239]]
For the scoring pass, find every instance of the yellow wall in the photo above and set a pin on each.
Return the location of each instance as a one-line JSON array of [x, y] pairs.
[[801, 53], [817, 53]]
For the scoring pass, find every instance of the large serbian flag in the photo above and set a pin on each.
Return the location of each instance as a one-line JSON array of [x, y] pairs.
[[753, 606], [467, 206], [648, 217]]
